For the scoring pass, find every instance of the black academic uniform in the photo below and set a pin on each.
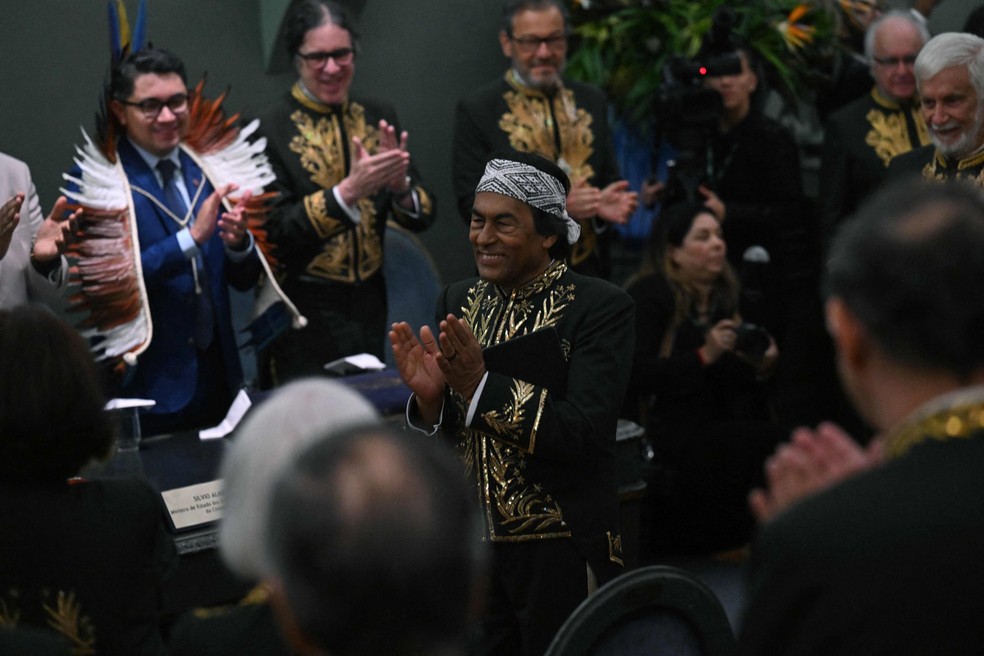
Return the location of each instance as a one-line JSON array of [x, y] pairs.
[[543, 460], [860, 140], [331, 266], [569, 128], [931, 165], [887, 562], [88, 560]]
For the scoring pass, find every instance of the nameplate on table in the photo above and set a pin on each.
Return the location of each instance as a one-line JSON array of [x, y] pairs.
[[195, 504]]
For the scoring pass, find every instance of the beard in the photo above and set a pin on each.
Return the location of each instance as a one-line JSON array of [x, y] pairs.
[[969, 139]]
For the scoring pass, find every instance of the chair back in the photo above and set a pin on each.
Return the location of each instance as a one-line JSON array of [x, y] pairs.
[[656, 610], [412, 282]]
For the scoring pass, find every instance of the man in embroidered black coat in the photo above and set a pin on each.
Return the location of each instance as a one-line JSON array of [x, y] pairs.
[[533, 109], [951, 107], [861, 138], [888, 561], [539, 452], [342, 170]]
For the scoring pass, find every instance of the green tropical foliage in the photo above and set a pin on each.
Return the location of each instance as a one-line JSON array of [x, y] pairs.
[[622, 45]]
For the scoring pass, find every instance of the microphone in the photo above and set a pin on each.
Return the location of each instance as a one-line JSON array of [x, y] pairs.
[[754, 277]]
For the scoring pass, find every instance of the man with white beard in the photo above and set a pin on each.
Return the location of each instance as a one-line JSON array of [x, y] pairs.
[[950, 75]]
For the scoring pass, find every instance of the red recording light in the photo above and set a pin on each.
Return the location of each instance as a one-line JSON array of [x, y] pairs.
[[702, 70]]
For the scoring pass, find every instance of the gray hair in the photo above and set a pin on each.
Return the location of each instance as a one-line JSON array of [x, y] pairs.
[[953, 49], [893, 16], [378, 544], [295, 416]]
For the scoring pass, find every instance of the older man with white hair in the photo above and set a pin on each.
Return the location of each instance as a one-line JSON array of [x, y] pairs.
[[950, 75]]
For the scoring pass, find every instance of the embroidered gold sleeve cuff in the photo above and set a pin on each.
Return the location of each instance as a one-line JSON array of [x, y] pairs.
[[316, 207]]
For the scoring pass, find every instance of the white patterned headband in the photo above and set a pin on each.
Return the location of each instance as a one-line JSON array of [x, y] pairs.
[[532, 186]]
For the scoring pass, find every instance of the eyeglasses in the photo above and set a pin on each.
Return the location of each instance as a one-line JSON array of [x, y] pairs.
[[342, 57], [151, 107], [528, 44], [892, 62]]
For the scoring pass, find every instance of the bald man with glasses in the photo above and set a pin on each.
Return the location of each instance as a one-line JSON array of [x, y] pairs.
[[534, 109], [862, 137]]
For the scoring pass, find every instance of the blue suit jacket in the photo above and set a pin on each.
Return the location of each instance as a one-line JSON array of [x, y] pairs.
[[168, 370]]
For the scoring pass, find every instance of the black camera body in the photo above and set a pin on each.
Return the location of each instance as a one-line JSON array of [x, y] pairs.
[[752, 340], [686, 112]]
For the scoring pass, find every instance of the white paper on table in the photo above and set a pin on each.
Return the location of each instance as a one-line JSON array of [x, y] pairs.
[[364, 361], [122, 404], [236, 411]]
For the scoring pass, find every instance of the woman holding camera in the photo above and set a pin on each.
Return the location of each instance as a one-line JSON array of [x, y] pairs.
[[698, 379]]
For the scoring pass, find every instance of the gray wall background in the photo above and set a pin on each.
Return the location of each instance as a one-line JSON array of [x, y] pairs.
[[421, 55]]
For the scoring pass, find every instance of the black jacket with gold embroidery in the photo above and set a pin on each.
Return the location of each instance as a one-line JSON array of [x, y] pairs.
[[860, 140], [931, 165], [309, 144], [544, 466], [571, 128]]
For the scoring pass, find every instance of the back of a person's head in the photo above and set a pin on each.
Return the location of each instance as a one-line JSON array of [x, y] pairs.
[[52, 416], [270, 437], [908, 266], [377, 544]]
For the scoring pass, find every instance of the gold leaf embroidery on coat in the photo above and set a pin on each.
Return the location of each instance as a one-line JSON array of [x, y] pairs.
[[318, 142], [529, 125], [347, 255], [969, 169], [508, 421], [511, 502], [9, 617], [522, 507], [889, 134], [953, 423], [353, 254], [615, 547], [317, 211], [67, 619]]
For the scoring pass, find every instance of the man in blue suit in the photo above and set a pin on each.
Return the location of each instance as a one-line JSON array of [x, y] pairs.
[[189, 252]]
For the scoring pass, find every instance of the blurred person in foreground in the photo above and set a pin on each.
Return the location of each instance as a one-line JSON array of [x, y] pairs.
[[296, 415], [878, 551], [86, 559], [376, 547]]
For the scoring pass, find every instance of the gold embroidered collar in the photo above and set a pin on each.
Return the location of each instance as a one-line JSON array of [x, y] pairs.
[[554, 270], [955, 416], [886, 102], [974, 160], [301, 95]]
